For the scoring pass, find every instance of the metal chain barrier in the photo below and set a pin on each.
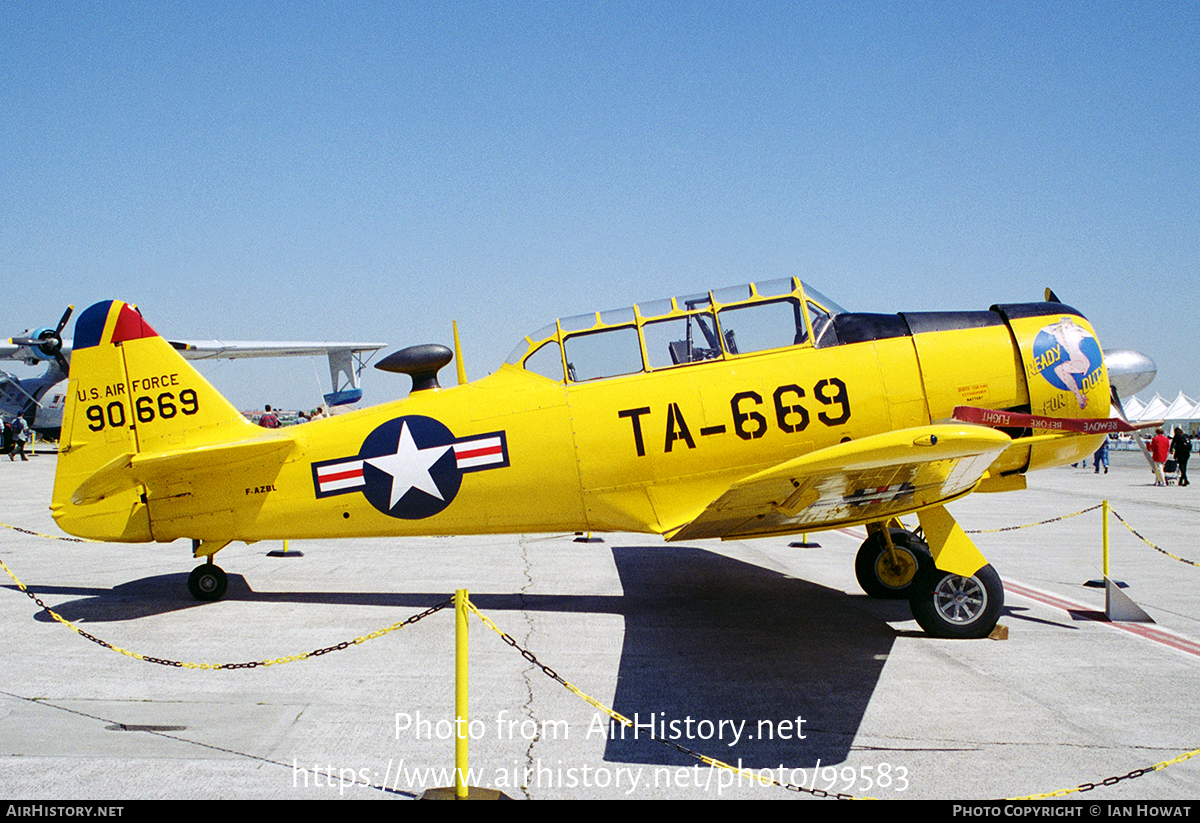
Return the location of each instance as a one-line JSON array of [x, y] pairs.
[[253, 664], [1112, 781], [48, 536], [1151, 545], [1039, 523], [1085, 511]]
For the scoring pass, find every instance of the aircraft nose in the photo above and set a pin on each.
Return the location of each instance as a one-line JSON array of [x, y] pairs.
[[1129, 371]]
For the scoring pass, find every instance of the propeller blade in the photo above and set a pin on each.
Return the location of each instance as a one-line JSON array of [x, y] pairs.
[[49, 341], [61, 323], [1116, 401]]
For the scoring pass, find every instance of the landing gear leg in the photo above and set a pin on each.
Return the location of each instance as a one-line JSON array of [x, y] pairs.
[[959, 595]]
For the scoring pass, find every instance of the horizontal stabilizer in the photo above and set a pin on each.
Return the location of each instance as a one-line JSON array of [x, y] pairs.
[[128, 471]]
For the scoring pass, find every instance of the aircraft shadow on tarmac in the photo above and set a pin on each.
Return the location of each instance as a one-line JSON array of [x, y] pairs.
[[715, 639], [739, 649]]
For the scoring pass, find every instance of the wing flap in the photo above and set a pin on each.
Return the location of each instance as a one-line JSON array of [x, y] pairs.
[[874, 478]]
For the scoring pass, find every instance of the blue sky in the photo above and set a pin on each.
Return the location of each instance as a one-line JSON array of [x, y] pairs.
[[371, 171]]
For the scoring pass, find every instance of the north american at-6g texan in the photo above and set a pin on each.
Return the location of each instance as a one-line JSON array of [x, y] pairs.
[[745, 412]]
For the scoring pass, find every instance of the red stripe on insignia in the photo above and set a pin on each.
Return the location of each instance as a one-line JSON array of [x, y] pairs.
[[329, 477], [484, 451]]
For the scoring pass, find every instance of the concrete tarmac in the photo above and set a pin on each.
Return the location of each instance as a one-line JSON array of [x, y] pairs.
[[749, 652]]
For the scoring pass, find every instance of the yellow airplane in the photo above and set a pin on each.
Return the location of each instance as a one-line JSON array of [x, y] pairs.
[[752, 411]]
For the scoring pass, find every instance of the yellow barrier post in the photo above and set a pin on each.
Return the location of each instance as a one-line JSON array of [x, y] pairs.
[[461, 673], [1102, 583], [1104, 530], [285, 552], [1118, 606], [460, 790]]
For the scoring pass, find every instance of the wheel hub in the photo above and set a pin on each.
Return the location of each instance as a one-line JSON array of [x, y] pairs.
[[960, 599], [898, 573]]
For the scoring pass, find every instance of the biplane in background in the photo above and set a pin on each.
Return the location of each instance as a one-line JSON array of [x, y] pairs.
[[32, 398], [753, 411]]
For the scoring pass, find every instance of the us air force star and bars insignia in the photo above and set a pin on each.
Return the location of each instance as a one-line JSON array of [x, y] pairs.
[[410, 467]]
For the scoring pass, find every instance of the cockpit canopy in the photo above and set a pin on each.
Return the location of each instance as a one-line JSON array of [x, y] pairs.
[[677, 331]]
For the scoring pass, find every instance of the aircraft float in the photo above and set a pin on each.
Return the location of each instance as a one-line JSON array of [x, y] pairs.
[[24, 396], [752, 411]]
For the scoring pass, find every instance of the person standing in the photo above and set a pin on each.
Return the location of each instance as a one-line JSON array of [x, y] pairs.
[[20, 433], [1160, 448], [1181, 449], [1100, 458], [269, 420]]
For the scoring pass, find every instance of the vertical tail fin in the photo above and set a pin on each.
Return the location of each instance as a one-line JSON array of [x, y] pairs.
[[129, 393]]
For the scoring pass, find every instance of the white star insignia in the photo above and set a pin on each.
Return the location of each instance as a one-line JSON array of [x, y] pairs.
[[409, 467]]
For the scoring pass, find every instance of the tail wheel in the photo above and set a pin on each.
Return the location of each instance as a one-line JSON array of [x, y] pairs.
[[889, 575], [207, 582], [953, 606]]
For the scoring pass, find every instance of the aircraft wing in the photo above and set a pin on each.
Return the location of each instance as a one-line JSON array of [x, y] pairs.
[[235, 349], [343, 358], [47, 343], [870, 479], [223, 349]]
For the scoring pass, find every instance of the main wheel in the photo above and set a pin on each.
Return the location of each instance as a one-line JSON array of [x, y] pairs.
[[949, 605], [883, 577], [207, 582]]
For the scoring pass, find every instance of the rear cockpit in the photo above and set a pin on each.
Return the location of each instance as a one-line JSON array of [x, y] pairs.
[[664, 334]]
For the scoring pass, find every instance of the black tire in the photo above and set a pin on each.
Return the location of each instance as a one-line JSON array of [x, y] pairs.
[[207, 582], [876, 574], [949, 605]]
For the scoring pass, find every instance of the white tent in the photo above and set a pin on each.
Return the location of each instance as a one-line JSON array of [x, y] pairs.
[[1154, 410], [1180, 410], [1133, 408]]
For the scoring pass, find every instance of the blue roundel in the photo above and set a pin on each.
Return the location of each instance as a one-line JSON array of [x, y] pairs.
[[1065, 343], [409, 467]]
